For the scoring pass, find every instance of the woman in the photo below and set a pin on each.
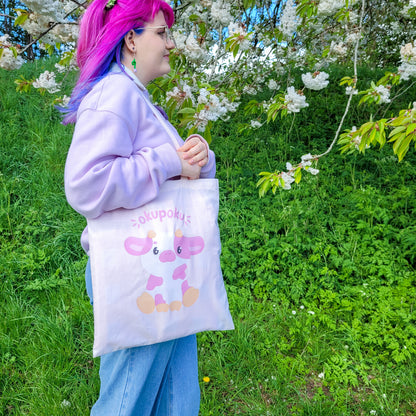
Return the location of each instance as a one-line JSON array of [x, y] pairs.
[[119, 157]]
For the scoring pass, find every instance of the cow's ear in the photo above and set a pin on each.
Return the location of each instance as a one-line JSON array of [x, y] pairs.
[[137, 246], [196, 245], [151, 234], [178, 233], [189, 246]]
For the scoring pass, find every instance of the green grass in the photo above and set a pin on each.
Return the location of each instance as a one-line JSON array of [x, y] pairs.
[[321, 279]]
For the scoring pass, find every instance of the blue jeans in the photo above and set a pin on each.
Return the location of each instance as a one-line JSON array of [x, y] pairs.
[[155, 380]]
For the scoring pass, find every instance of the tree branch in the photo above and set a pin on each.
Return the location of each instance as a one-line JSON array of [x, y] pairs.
[[347, 108], [7, 15]]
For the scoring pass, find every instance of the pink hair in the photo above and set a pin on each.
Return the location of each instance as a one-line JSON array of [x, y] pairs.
[[101, 38]]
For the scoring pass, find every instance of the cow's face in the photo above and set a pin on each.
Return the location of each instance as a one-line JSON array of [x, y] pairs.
[[161, 253]]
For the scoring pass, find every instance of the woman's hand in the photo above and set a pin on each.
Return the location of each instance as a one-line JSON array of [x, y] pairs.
[[195, 151], [188, 171]]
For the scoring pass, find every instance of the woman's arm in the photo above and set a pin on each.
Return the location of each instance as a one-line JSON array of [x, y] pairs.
[[104, 172]]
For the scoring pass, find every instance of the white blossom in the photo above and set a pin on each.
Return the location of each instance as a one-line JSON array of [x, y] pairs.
[[242, 36], [408, 52], [65, 403], [8, 59], [307, 159], [180, 39], [338, 48], [36, 24], [193, 50], [47, 12], [214, 107], [351, 91], [288, 21], [313, 171], [357, 140], [181, 94], [288, 180], [316, 81], [306, 162], [384, 94], [220, 11], [406, 9], [51, 9], [353, 37], [66, 33], [65, 100], [234, 27], [255, 124], [249, 89], [328, 7], [294, 101], [407, 69], [71, 66], [354, 17], [273, 85], [47, 81]]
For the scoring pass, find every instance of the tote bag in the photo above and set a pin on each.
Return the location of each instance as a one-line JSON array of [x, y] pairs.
[[155, 269]]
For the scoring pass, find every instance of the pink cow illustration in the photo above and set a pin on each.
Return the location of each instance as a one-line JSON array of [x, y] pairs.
[[165, 259]]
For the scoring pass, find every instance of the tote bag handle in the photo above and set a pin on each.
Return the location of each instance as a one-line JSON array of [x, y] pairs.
[[162, 120]]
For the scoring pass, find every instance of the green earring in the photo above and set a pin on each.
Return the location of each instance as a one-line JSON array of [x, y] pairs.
[[133, 62]]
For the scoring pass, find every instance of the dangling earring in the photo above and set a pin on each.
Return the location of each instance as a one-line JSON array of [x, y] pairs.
[[133, 62]]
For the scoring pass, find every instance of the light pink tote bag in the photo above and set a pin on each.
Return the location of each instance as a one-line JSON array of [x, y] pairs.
[[156, 269]]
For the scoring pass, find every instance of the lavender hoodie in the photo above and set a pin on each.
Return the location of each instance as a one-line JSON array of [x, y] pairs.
[[120, 153]]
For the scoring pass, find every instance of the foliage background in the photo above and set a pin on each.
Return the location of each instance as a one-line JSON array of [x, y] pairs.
[[321, 279]]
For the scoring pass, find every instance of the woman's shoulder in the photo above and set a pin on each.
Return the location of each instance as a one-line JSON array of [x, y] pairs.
[[116, 93]]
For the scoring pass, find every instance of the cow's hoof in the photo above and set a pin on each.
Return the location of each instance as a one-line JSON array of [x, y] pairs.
[[175, 305], [146, 303], [190, 297], [162, 307]]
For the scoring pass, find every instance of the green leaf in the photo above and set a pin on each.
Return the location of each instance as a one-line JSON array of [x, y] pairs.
[[398, 141], [298, 175], [347, 80], [365, 128], [21, 19], [207, 132], [236, 49], [249, 3], [381, 138], [397, 130], [187, 110], [194, 18], [411, 129], [372, 136], [404, 147]]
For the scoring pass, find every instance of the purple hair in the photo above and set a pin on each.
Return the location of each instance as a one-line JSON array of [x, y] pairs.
[[101, 39]]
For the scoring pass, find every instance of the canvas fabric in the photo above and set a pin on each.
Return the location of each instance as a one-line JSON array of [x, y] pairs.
[[156, 269]]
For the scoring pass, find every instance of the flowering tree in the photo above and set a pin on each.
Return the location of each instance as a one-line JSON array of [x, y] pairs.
[[229, 49]]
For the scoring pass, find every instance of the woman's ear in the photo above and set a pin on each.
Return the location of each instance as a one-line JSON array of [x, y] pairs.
[[129, 41]]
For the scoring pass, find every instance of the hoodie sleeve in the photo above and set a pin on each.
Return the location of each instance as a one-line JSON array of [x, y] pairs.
[[104, 172]]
